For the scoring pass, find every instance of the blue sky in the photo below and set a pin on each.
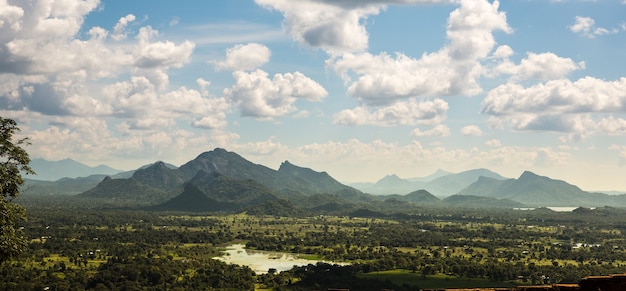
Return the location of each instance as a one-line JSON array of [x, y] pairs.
[[360, 89]]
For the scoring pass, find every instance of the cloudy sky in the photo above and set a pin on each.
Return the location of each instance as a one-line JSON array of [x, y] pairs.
[[358, 88]]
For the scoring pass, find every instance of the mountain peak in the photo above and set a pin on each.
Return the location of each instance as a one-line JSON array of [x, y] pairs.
[[529, 175], [390, 179], [286, 164]]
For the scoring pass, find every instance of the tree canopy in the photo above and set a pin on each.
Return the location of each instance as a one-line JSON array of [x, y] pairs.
[[14, 161]]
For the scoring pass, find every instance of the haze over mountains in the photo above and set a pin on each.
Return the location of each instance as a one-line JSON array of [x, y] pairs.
[[220, 180], [440, 183], [67, 168]]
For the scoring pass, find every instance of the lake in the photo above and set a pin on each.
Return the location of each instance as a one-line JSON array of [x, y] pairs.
[[554, 208], [261, 261]]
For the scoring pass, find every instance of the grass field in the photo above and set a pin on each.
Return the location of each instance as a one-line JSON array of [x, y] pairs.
[[402, 277]]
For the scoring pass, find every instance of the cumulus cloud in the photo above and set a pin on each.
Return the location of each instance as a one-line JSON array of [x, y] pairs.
[[438, 131], [493, 143], [409, 112], [161, 53], [245, 57], [256, 95], [453, 70], [142, 101], [586, 26], [46, 68], [471, 130], [318, 24], [543, 66], [119, 31], [578, 109], [334, 26], [561, 96]]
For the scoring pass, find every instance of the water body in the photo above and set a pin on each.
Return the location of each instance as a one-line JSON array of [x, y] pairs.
[[261, 261], [554, 208]]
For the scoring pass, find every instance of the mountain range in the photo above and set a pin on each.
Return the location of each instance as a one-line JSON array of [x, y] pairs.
[[67, 168], [220, 180], [441, 183]]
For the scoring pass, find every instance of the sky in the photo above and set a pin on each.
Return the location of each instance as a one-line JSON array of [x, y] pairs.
[[360, 89]]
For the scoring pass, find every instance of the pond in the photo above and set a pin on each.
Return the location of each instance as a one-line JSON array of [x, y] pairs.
[[261, 261]]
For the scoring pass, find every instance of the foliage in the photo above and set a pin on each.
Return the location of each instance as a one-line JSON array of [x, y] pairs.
[[13, 160]]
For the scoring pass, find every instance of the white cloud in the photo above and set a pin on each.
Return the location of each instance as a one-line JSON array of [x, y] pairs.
[[493, 143], [577, 109], [90, 139], [141, 100], [245, 57], [10, 16], [410, 112], [471, 130], [355, 160], [203, 84], [256, 95], [586, 26], [334, 26], [161, 53], [438, 131], [502, 52], [326, 26], [453, 70], [586, 95], [46, 68], [119, 31], [544, 66]]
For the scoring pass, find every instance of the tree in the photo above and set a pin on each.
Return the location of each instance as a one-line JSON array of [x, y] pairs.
[[13, 161]]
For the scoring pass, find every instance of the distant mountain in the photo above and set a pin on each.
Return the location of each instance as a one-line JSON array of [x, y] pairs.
[[128, 174], [154, 184], [421, 197], [441, 183], [433, 176], [534, 190], [64, 186], [159, 183], [451, 184], [53, 170], [220, 180]]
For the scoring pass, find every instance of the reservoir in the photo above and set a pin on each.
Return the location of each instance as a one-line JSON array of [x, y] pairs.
[[261, 261]]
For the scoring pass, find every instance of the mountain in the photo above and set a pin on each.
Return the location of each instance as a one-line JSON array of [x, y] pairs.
[[216, 192], [433, 176], [305, 178], [441, 183], [229, 164], [451, 184], [231, 175], [534, 190], [53, 170], [128, 174], [421, 196], [64, 186], [150, 185]]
